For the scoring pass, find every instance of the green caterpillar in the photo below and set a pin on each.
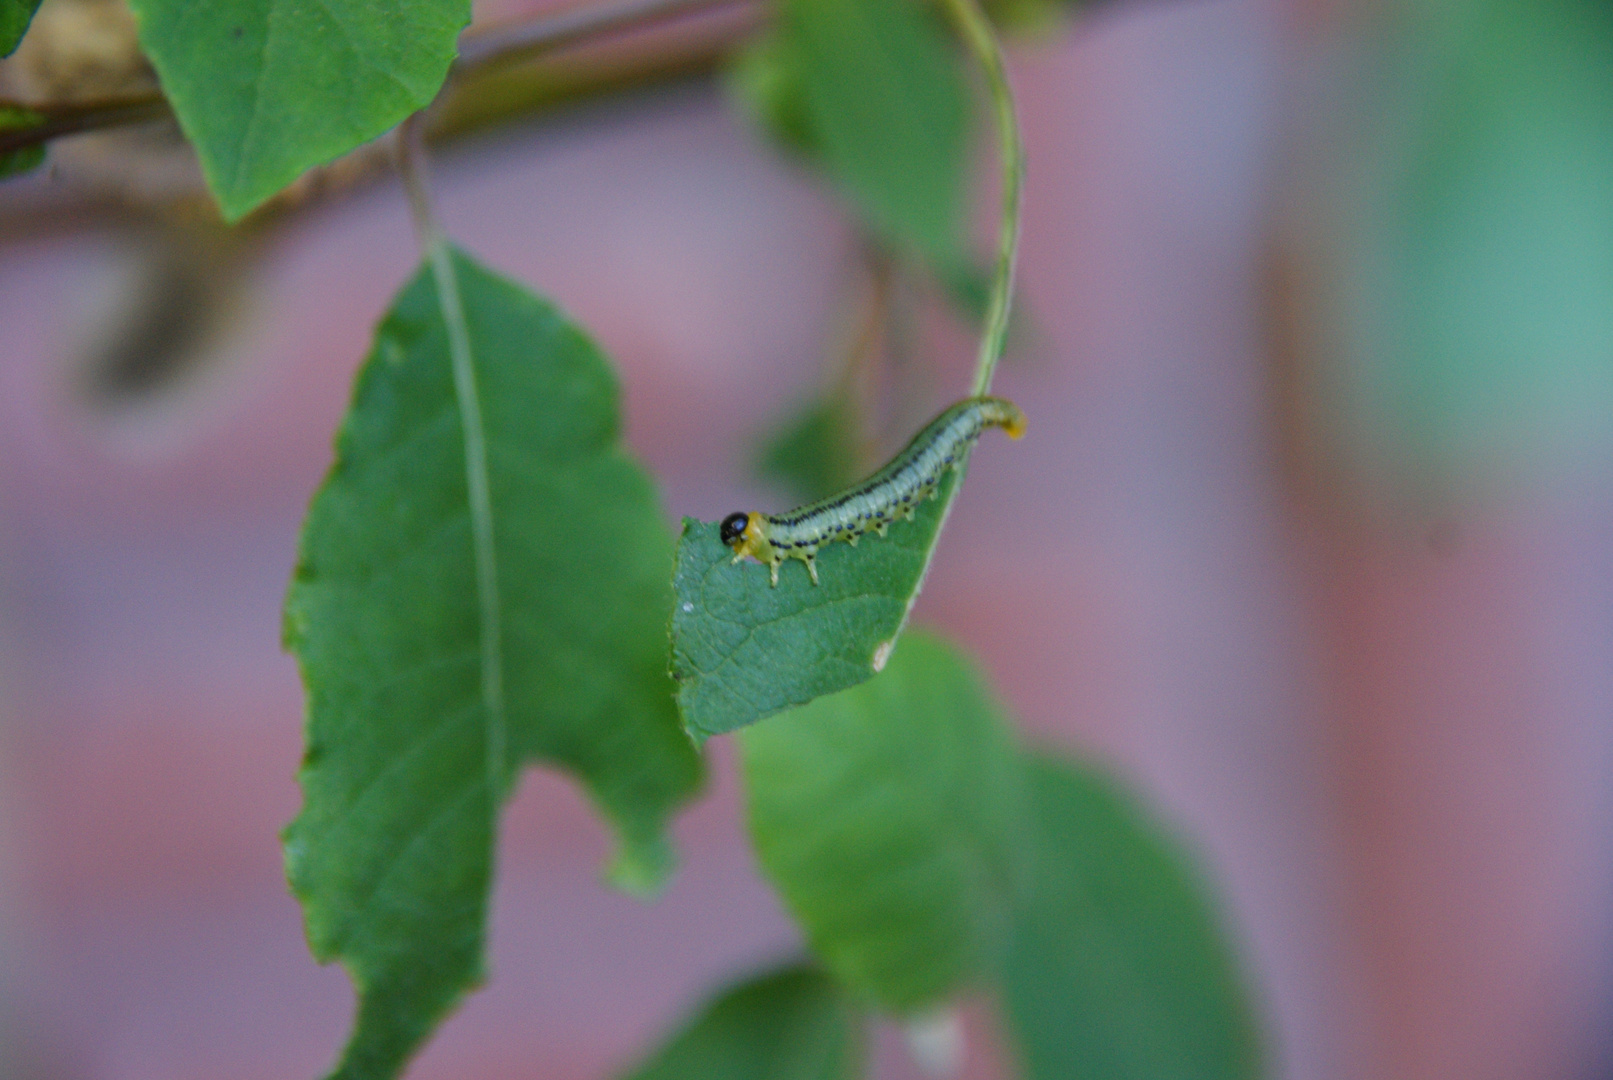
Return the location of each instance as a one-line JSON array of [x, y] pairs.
[[877, 501]]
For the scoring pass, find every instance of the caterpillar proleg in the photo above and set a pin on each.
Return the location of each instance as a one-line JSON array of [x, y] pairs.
[[894, 491]]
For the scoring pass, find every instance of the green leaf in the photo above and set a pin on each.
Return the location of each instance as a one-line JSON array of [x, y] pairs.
[[415, 730], [886, 99], [17, 162], [15, 15], [887, 816], [765, 80], [792, 1024], [816, 451], [742, 650], [1118, 969], [266, 89]]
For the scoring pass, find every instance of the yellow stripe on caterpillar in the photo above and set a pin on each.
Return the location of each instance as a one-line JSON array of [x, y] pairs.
[[873, 504]]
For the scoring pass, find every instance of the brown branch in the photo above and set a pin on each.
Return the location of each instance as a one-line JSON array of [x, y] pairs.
[[74, 119], [530, 38], [480, 51], [497, 95]]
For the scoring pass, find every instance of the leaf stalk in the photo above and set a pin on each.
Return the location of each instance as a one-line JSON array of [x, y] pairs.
[[981, 41]]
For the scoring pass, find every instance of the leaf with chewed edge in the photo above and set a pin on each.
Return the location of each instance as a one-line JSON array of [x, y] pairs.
[[417, 727], [742, 650]]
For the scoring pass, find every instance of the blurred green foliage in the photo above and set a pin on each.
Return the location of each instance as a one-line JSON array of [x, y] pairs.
[[792, 1024], [874, 91], [1474, 232], [1119, 968], [887, 815], [927, 856], [815, 452]]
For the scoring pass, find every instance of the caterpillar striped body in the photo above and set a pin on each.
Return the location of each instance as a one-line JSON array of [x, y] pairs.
[[894, 491]]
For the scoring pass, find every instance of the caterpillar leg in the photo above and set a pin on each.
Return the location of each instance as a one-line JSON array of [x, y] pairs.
[[852, 539], [910, 513], [812, 568], [773, 567], [880, 528]]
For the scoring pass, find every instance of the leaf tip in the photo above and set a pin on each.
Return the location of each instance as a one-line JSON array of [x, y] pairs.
[[642, 867]]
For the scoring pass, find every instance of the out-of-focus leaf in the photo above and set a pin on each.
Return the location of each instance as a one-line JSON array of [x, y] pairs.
[[887, 815], [415, 734], [15, 15], [816, 452], [266, 89], [1032, 18], [1476, 241], [1118, 969], [765, 78], [792, 1024], [885, 96], [18, 162], [968, 290]]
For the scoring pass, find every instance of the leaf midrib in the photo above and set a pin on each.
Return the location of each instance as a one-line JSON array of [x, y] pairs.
[[478, 497]]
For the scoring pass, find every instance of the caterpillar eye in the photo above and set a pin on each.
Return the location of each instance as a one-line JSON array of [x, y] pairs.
[[733, 527]]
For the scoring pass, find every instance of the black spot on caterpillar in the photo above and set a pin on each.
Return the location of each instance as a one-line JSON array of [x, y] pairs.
[[874, 503]]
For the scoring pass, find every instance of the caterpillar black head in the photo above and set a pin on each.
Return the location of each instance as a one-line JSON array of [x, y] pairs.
[[733, 528], [746, 534]]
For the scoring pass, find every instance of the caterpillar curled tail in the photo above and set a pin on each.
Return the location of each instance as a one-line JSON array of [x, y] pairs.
[[872, 505]]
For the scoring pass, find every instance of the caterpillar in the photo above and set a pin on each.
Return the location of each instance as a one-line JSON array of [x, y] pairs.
[[893, 491]]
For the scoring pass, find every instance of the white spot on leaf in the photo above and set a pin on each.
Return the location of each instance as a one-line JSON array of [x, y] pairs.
[[687, 607], [883, 654]]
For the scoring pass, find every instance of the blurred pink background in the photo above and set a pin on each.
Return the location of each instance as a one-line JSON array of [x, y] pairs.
[[1390, 756]]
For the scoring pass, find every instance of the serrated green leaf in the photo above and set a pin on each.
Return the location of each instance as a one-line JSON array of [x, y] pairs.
[[15, 15], [1118, 969], [267, 89], [791, 1024], [886, 99], [17, 162], [742, 650], [816, 451], [414, 732], [887, 816]]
